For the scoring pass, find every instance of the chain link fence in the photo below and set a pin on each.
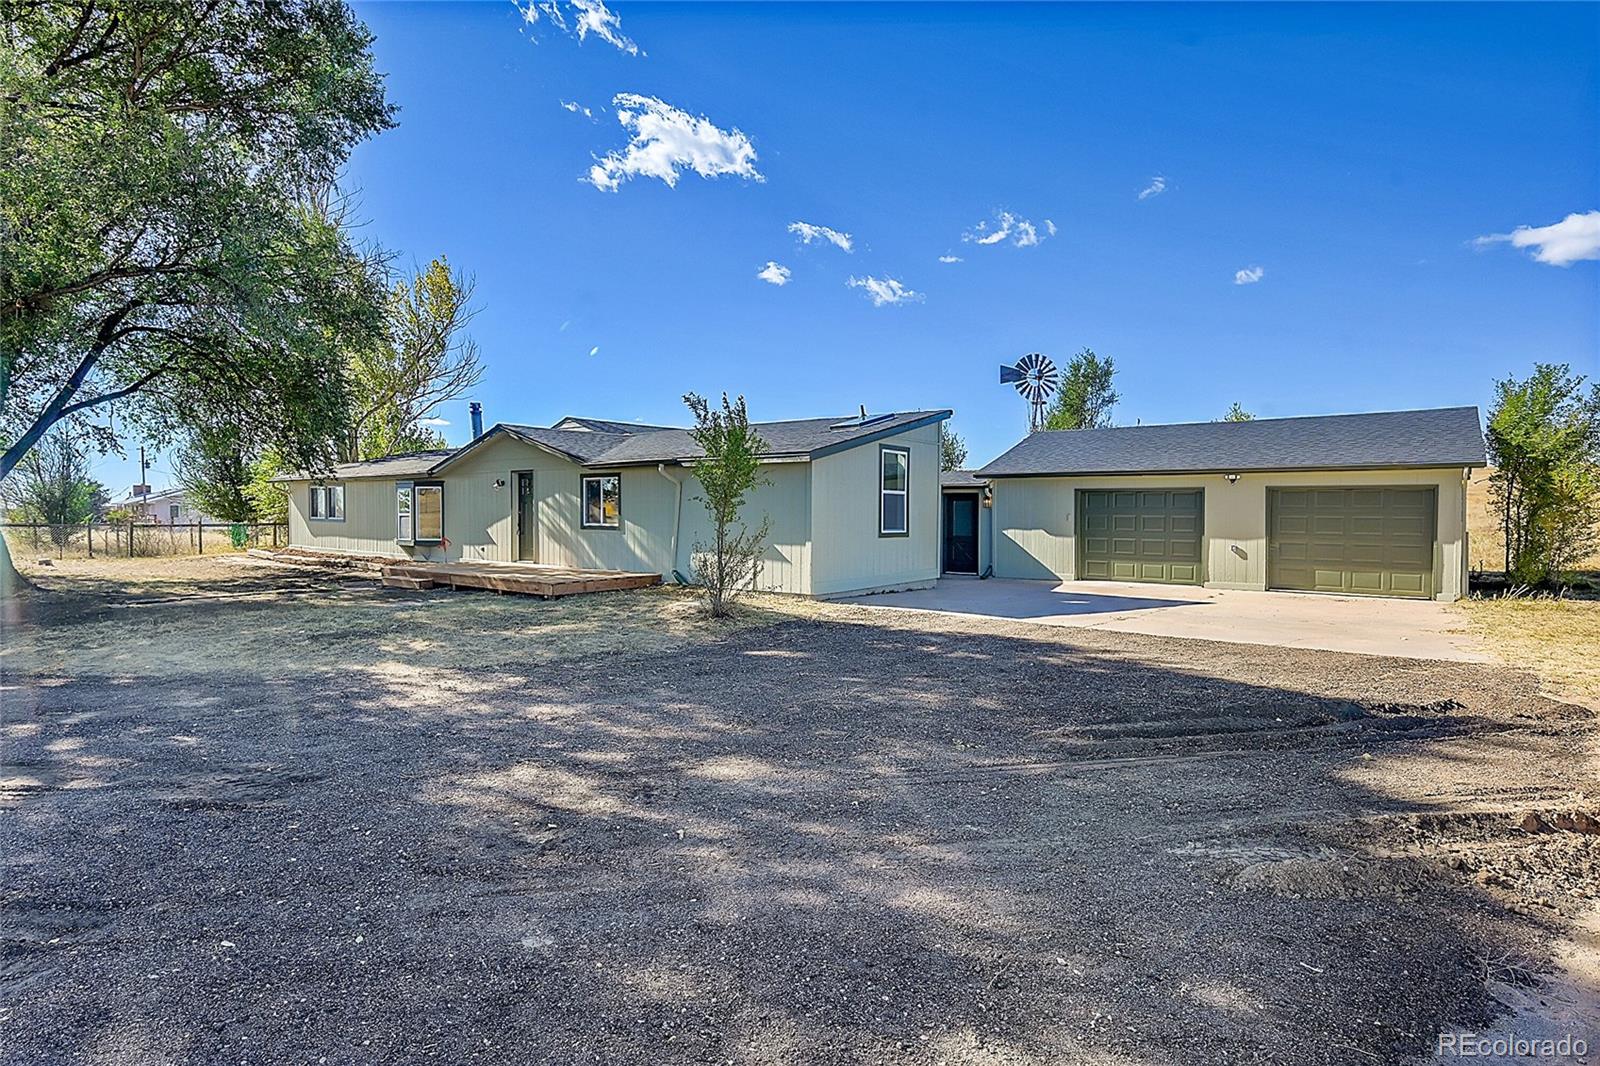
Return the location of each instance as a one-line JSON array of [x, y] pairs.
[[132, 540]]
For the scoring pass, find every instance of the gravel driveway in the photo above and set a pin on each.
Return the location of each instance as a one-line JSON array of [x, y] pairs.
[[819, 841]]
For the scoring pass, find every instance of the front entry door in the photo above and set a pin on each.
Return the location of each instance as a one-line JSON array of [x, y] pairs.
[[961, 533], [527, 519]]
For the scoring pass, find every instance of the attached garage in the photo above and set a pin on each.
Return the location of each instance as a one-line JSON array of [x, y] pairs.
[[1141, 535], [1370, 504], [1373, 541]]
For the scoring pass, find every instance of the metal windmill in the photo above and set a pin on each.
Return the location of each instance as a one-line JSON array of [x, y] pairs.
[[1035, 379]]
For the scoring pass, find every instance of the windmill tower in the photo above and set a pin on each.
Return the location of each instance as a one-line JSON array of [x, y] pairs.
[[1034, 377]]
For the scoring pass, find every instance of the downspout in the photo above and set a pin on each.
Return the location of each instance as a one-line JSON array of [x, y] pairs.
[[677, 521]]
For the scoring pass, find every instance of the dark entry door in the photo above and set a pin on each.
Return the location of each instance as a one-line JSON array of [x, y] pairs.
[[961, 533], [527, 519]]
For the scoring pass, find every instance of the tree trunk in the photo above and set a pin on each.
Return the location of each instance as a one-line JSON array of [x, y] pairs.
[[12, 580]]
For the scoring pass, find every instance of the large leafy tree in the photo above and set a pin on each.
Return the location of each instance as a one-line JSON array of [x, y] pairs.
[[1086, 396], [1544, 444], [424, 360], [165, 260]]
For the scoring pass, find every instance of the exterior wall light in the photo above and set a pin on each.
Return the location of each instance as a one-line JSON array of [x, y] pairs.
[[1232, 479], [499, 483]]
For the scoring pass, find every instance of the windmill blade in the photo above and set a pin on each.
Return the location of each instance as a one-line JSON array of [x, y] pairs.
[[1010, 375]]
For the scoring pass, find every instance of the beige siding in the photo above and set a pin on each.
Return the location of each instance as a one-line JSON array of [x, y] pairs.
[[368, 526], [848, 555], [1034, 521], [785, 502]]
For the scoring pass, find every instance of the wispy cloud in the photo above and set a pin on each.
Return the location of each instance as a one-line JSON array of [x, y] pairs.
[[1006, 226], [1050, 227], [666, 142], [884, 291], [1563, 243], [433, 421], [949, 259], [774, 274], [577, 109], [808, 233], [595, 350], [1157, 186], [580, 17], [1248, 276]]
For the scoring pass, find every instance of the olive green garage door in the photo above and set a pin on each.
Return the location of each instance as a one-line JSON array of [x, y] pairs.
[[1372, 541], [1135, 535]]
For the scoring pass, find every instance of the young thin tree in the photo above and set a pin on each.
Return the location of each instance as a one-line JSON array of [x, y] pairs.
[[730, 469], [952, 449], [424, 361], [52, 487], [1237, 413], [160, 253], [1086, 396], [214, 471]]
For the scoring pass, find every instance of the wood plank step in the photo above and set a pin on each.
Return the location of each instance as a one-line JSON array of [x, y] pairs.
[[402, 581]]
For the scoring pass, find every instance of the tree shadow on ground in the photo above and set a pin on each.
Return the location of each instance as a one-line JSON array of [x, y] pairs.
[[813, 842]]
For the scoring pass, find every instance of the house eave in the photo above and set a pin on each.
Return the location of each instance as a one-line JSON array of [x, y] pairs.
[[1469, 464]]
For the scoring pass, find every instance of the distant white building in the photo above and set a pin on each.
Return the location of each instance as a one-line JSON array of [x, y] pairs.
[[170, 507]]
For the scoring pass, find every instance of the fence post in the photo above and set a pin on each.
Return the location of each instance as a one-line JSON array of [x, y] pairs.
[[200, 537], [88, 530], [130, 538]]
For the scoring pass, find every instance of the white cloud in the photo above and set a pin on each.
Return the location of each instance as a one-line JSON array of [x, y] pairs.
[[949, 259], [808, 233], [588, 16], [773, 274], [884, 290], [1050, 227], [1157, 186], [1248, 276], [667, 141], [1019, 231], [595, 350], [433, 421], [1560, 244], [577, 108]]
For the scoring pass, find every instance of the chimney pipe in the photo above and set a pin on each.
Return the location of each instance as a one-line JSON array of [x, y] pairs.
[[477, 418]]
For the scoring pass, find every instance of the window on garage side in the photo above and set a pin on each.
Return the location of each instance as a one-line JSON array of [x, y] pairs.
[[602, 501], [894, 491]]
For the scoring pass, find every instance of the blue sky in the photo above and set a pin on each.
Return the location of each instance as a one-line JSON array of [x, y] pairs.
[[1351, 155]]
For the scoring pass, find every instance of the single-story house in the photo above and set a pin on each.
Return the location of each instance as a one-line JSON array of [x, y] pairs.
[[853, 502], [169, 507], [1365, 504]]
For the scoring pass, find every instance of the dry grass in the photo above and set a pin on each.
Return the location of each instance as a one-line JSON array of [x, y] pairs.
[[137, 618], [1486, 544], [1557, 639]]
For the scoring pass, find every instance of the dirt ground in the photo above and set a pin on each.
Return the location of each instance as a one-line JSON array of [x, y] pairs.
[[255, 815]]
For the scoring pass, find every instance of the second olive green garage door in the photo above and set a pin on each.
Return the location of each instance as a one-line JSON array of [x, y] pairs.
[[1372, 541], [1128, 535]]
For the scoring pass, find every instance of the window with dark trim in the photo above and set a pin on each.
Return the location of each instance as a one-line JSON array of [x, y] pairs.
[[602, 501], [327, 503], [894, 491], [419, 512]]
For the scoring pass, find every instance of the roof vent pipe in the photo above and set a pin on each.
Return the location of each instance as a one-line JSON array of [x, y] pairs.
[[477, 418]]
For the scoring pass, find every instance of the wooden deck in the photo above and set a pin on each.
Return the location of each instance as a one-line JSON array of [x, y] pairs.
[[529, 579]]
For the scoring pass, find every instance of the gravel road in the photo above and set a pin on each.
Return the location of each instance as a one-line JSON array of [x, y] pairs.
[[818, 841]]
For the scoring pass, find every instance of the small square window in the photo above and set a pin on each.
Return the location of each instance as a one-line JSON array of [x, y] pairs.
[[602, 502], [327, 502]]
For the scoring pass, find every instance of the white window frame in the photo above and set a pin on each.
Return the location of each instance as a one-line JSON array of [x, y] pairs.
[[327, 502], [884, 493], [583, 502], [407, 533]]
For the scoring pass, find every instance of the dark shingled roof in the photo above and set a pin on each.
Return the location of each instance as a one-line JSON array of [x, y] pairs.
[[606, 425], [961, 479], [806, 438], [1446, 436]]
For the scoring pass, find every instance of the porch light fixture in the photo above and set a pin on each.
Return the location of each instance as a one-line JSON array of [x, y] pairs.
[[1232, 479], [499, 483]]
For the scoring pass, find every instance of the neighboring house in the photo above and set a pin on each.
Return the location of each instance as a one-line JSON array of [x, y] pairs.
[[853, 502], [1370, 503], [169, 507]]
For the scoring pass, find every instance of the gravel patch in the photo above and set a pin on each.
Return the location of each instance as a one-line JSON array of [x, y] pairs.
[[831, 840]]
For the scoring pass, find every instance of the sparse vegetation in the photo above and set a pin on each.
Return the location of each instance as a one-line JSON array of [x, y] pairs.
[[1556, 638], [728, 566]]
